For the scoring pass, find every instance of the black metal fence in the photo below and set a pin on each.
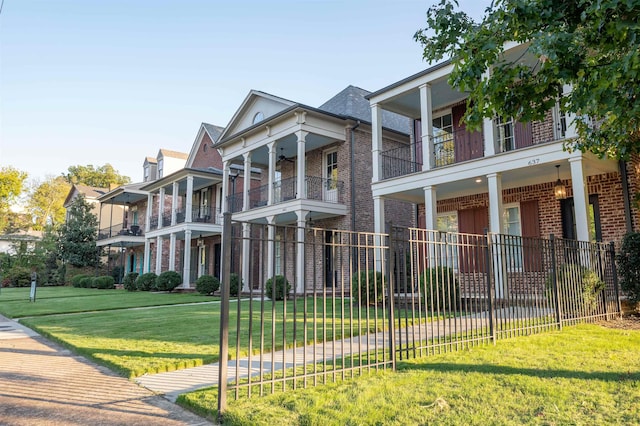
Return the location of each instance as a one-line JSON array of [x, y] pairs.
[[317, 305]]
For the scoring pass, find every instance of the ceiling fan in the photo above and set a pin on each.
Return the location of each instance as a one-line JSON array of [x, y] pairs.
[[282, 157]]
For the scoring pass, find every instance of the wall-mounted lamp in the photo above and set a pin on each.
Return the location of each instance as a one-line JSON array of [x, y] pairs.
[[559, 190]]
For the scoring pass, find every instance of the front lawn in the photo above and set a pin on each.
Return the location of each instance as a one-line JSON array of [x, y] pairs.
[[586, 375]]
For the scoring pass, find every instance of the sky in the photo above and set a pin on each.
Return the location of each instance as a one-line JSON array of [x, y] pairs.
[[93, 82]]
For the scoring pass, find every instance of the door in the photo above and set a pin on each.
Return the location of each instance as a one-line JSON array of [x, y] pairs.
[[217, 253], [473, 221], [202, 261], [331, 177], [567, 210], [329, 259]]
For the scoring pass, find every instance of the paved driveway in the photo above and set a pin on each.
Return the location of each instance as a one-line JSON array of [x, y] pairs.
[[42, 383]]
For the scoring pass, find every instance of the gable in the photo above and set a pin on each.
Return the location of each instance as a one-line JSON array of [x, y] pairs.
[[256, 102]]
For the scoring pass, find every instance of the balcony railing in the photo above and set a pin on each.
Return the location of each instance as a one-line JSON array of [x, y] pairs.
[[321, 189], [119, 229], [401, 161], [206, 215]]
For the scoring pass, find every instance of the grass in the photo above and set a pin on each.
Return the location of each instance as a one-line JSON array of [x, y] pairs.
[[585, 374], [14, 302]]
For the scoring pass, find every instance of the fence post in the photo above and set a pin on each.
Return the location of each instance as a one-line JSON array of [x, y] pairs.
[[614, 273], [224, 315], [490, 288], [392, 305], [554, 281]]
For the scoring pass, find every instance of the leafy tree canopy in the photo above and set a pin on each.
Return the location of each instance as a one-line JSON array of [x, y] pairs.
[[100, 176], [77, 236], [46, 202], [594, 46], [11, 185]]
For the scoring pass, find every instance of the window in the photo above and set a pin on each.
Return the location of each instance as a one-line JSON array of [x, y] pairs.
[[278, 256], [331, 176], [258, 117], [443, 144], [146, 173], [448, 222], [511, 225], [504, 133], [160, 167]]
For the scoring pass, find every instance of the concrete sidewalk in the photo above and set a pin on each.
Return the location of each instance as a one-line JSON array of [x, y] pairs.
[[42, 383]]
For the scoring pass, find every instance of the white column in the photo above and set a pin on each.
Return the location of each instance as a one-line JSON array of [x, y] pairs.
[[161, 208], [172, 251], [246, 184], [376, 141], [246, 256], [225, 187], [580, 197], [271, 170], [186, 262], [271, 242], [147, 213], [300, 274], [379, 227], [426, 118], [301, 166], [431, 222], [174, 204], [494, 182], [571, 131], [488, 128], [147, 255], [158, 255], [189, 208]]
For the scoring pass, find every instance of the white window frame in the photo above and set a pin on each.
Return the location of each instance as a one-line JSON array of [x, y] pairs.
[[452, 255], [444, 156], [501, 137], [330, 188], [160, 167], [514, 264]]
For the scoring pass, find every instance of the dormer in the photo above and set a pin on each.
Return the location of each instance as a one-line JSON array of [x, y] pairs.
[[169, 162], [150, 169]]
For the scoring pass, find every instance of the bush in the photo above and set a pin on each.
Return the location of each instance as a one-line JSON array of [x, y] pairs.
[[146, 282], [76, 280], [578, 288], [104, 282], [207, 284], [168, 280], [117, 272], [129, 281], [366, 289], [235, 284], [86, 282], [439, 288], [628, 260], [19, 276], [282, 288]]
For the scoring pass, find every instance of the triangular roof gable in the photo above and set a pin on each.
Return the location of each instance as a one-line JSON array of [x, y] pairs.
[[212, 131], [89, 192], [255, 102]]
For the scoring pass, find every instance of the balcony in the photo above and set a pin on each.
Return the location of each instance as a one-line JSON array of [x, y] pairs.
[[119, 230], [320, 189]]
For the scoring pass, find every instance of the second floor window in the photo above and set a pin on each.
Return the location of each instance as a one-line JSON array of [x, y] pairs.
[[160, 167], [443, 145], [504, 134]]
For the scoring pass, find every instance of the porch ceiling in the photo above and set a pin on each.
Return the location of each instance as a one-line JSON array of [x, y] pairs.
[[287, 146], [124, 198]]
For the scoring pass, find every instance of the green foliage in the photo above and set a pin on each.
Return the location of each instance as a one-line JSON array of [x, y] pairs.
[[11, 186], [592, 46], [104, 283], [86, 282], [578, 287], [207, 284], [628, 260], [281, 290], [129, 281], [77, 237], [75, 280], [18, 276], [235, 284], [167, 281], [367, 287], [117, 272], [146, 282], [440, 290], [46, 202], [90, 175]]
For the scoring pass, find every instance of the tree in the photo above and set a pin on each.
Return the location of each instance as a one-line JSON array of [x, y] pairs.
[[11, 185], [46, 202], [592, 46], [90, 175], [77, 236]]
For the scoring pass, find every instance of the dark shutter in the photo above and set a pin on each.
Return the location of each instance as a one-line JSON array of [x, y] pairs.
[[417, 133], [472, 254], [468, 145], [531, 244], [523, 134]]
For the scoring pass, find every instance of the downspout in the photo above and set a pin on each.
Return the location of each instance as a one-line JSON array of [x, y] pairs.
[[626, 195], [353, 176]]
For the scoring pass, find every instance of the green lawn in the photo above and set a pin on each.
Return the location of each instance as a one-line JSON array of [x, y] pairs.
[[584, 375], [14, 302]]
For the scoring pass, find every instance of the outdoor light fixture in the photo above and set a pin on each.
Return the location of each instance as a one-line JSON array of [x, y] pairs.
[[559, 189]]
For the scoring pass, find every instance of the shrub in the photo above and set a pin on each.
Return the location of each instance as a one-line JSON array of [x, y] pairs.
[[367, 287], [628, 260], [117, 272], [235, 284], [439, 288], [86, 282], [146, 282], [168, 280], [76, 280], [207, 284], [104, 282], [129, 281], [19, 276], [282, 288], [578, 288]]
